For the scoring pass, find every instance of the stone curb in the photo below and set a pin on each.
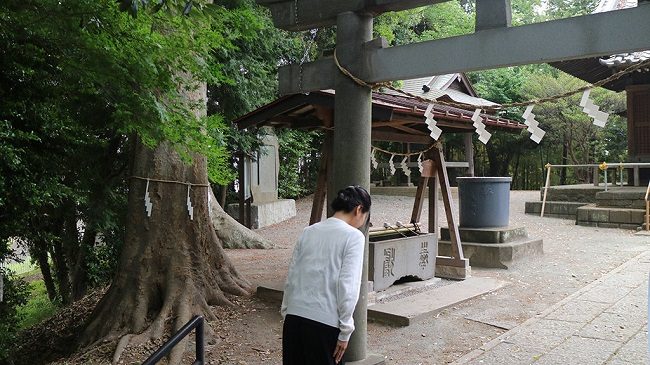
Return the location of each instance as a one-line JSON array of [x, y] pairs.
[[490, 345]]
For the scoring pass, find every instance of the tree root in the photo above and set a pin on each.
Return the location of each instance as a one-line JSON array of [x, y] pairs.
[[231, 233]]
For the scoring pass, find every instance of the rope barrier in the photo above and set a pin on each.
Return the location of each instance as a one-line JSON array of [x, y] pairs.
[[410, 153], [168, 181]]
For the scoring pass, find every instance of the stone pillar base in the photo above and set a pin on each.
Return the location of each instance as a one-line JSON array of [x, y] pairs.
[[372, 359], [450, 268]]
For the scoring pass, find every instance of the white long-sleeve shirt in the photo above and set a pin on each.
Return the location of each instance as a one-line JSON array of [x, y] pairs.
[[325, 275]]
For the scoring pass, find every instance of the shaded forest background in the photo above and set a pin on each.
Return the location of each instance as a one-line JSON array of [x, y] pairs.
[[81, 79]]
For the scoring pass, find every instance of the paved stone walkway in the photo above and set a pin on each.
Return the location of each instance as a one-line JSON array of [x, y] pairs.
[[602, 323]]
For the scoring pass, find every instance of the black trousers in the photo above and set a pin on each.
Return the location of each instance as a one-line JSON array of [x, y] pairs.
[[307, 342]]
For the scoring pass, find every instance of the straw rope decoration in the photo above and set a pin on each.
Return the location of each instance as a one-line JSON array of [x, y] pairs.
[[592, 110], [378, 85]]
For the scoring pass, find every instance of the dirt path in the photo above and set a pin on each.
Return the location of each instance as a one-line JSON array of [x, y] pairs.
[[574, 256]]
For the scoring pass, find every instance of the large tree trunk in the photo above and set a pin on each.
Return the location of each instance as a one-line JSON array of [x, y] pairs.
[[171, 266]]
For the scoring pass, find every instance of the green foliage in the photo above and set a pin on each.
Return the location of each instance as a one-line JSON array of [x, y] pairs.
[[81, 81], [433, 22], [298, 162], [15, 295], [37, 307], [557, 9]]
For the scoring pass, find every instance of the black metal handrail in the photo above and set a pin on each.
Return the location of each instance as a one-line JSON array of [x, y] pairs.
[[196, 322]]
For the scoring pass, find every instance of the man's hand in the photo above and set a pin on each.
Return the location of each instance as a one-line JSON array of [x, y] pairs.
[[340, 350]]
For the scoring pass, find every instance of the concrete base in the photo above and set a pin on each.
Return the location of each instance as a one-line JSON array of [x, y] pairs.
[[418, 307], [452, 269], [271, 294], [609, 217], [400, 289], [266, 214], [372, 359], [585, 193], [554, 209], [495, 255], [487, 235]]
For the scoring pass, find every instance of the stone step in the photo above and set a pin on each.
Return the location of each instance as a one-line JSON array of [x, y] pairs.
[[584, 193], [620, 198], [415, 308], [555, 209], [487, 235], [496, 255], [610, 217]]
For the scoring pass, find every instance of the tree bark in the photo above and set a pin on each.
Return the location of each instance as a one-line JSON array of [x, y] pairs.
[[61, 271], [171, 266], [41, 257], [79, 277]]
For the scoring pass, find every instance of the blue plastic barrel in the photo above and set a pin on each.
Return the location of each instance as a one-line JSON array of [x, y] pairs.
[[484, 201]]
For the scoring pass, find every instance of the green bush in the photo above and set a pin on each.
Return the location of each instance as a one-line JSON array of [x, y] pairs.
[[38, 306], [15, 295], [299, 162]]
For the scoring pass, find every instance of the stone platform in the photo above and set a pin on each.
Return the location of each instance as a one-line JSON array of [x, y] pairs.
[[407, 303], [266, 214], [498, 247], [417, 307], [555, 209], [592, 215], [619, 207]]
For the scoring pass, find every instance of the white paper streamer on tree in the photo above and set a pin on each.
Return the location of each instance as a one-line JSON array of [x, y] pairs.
[[405, 166], [420, 167], [373, 159], [391, 165], [533, 125], [147, 201], [432, 123], [209, 201], [483, 135], [190, 208], [593, 110]]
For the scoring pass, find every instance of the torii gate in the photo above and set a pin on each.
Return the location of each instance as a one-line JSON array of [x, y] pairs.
[[494, 44]]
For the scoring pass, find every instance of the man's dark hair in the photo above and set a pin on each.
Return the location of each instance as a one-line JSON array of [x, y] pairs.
[[351, 197]]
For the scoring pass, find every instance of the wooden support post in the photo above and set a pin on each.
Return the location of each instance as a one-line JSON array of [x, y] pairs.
[[321, 184], [419, 199], [637, 181], [469, 153], [596, 176], [433, 206], [546, 185], [439, 160], [647, 215], [428, 173]]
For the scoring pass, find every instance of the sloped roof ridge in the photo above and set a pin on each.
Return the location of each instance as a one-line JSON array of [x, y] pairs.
[[621, 59]]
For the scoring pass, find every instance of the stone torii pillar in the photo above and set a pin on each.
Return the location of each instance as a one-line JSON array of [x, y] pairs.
[[351, 152]]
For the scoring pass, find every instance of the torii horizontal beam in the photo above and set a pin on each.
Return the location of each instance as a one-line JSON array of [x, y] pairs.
[[572, 38], [308, 14]]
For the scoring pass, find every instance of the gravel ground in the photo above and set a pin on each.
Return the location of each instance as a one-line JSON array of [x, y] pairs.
[[574, 256]]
